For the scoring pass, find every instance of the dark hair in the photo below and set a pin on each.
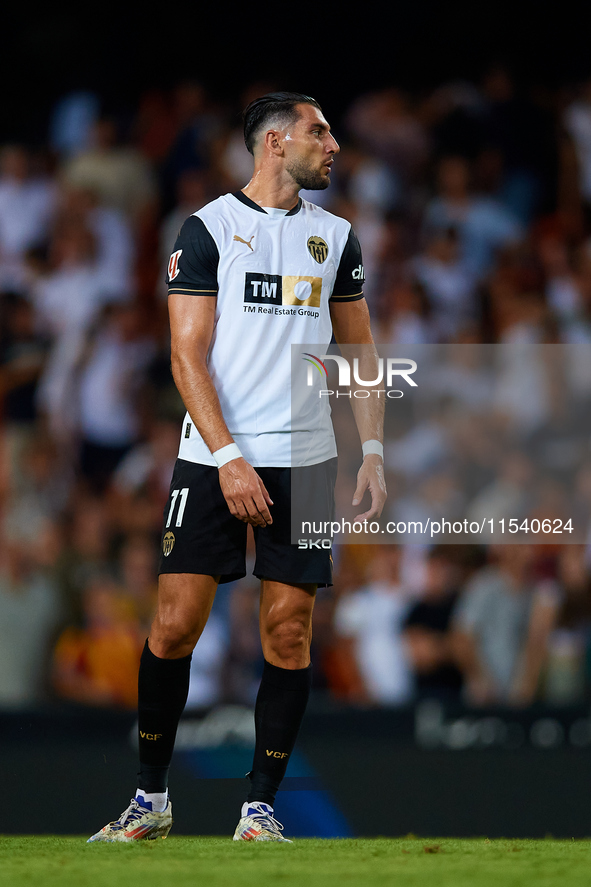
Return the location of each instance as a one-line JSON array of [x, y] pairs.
[[280, 105]]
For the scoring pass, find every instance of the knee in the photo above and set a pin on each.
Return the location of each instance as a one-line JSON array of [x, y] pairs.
[[287, 643], [172, 639]]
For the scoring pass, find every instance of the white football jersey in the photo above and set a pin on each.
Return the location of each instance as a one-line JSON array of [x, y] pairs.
[[274, 273]]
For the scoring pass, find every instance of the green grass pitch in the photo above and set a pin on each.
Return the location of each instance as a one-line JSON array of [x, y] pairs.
[[45, 861]]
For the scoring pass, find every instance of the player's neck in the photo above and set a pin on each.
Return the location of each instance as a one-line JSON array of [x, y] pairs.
[[272, 191]]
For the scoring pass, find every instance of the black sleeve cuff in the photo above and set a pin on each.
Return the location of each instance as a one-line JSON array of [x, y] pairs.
[[353, 298], [185, 290]]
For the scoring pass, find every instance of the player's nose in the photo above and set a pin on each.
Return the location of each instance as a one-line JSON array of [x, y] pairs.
[[333, 146]]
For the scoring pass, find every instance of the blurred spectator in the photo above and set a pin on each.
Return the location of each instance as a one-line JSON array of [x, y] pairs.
[[235, 162], [40, 482], [155, 126], [453, 112], [435, 495], [97, 662], [72, 122], [87, 551], [449, 284], [501, 628], [582, 501], [244, 655], [369, 623], [110, 377], [198, 126], [561, 285], [370, 226], [117, 172], [509, 495], [208, 664], [483, 224], [30, 612], [521, 130], [371, 184], [140, 483], [23, 352], [577, 124], [136, 572], [426, 628], [465, 376], [410, 320], [27, 205], [566, 673], [115, 246], [385, 124], [68, 298]]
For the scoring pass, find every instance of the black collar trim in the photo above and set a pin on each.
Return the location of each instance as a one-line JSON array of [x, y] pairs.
[[241, 196]]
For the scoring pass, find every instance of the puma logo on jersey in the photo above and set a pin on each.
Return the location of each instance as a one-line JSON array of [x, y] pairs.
[[246, 242]]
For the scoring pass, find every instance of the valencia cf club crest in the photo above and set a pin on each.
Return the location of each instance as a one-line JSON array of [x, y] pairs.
[[318, 249], [173, 265], [168, 544]]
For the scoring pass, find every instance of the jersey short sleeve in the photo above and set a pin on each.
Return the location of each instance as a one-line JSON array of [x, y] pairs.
[[348, 286], [193, 265]]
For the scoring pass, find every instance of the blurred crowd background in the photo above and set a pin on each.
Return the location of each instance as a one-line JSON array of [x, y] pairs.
[[472, 203]]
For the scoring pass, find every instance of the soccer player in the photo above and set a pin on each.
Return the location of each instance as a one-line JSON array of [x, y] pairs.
[[251, 274]]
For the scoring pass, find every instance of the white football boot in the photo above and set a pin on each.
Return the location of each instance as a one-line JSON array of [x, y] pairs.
[[257, 823], [137, 823]]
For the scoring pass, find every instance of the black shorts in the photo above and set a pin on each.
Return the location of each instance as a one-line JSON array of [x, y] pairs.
[[200, 535]]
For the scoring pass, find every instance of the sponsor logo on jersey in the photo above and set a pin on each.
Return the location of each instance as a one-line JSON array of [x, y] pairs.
[[358, 273], [318, 249], [168, 544], [266, 289], [173, 265], [247, 243], [274, 289]]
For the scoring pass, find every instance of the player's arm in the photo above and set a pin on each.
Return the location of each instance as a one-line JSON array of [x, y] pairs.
[[191, 305], [351, 326], [191, 329]]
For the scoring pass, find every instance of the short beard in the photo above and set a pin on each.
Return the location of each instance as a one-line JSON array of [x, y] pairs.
[[306, 179]]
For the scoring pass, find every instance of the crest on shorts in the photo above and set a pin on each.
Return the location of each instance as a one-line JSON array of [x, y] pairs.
[[173, 265], [318, 249], [168, 544]]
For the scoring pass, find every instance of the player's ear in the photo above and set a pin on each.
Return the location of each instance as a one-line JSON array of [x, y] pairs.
[[273, 141]]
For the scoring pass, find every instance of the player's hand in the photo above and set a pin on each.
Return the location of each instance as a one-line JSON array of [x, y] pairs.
[[245, 493], [371, 477]]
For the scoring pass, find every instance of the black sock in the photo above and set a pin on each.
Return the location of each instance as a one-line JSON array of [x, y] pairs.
[[163, 686], [280, 706]]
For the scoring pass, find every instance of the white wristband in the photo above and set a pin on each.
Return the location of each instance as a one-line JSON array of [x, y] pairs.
[[226, 454], [373, 446]]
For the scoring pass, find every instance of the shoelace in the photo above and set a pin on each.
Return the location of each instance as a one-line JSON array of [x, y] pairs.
[[133, 812], [271, 824]]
